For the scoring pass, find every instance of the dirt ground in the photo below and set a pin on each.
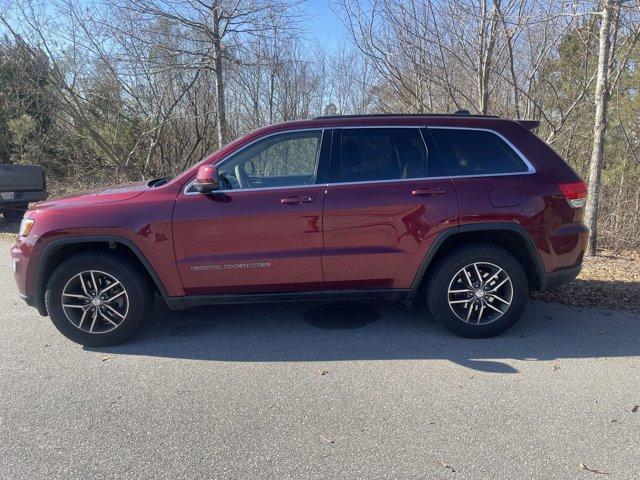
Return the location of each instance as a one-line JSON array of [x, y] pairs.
[[611, 280]]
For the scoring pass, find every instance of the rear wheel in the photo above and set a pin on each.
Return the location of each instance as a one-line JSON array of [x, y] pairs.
[[478, 291], [97, 299]]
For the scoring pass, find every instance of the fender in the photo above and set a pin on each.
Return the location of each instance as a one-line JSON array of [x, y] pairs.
[[49, 248], [476, 227]]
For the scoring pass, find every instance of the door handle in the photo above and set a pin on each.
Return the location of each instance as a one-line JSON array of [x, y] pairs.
[[297, 200], [428, 192]]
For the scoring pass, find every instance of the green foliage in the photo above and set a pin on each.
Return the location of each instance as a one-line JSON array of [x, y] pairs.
[[560, 83]]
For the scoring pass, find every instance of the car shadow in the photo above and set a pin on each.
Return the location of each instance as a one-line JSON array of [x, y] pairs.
[[340, 331]]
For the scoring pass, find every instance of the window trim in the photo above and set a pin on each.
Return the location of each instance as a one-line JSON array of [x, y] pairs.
[[530, 168], [323, 131]]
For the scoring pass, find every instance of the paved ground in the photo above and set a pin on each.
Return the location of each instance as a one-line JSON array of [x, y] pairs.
[[301, 391]]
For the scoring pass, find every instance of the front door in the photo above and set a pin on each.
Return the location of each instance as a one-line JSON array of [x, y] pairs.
[[262, 232], [386, 202]]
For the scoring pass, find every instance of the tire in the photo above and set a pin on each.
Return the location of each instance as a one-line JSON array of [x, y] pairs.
[[473, 309], [116, 320], [14, 214]]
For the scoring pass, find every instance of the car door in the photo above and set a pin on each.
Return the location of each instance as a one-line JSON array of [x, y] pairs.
[[386, 202], [262, 232]]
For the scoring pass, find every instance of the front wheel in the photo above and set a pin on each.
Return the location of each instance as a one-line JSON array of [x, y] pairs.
[[478, 291], [97, 298]]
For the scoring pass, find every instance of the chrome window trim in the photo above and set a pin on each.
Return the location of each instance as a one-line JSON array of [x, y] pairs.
[[253, 142], [530, 168]]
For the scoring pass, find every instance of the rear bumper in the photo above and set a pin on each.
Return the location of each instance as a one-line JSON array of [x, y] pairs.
[[24, 198], [21, 198], [560, 277]]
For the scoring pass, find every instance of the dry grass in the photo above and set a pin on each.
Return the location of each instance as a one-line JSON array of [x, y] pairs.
[[610, 280]]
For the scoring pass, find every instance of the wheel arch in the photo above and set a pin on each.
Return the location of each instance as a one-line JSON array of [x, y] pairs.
[[56, 251], [512, 237]]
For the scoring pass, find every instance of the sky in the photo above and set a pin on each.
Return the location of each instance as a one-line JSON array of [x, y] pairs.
[[323, 24]]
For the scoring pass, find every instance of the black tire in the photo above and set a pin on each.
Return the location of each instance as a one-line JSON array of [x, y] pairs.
[[14, 214], [133, 281], [445, 274]]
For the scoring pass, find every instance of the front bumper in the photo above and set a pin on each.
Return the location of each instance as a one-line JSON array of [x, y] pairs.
[[20, 257], [28, 300]]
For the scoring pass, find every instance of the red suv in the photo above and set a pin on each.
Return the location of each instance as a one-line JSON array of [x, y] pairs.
[[469, 212]]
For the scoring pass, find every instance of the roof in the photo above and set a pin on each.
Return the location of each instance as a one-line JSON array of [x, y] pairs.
[[433, 119], [459, 113]]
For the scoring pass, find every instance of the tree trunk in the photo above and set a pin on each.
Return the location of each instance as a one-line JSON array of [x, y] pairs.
[[600, 125], [217, 66]]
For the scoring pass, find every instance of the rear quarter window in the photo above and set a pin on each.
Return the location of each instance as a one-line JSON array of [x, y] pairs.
[[476, 152]]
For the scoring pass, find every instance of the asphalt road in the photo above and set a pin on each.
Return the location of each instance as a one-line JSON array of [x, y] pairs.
[[340, 391]]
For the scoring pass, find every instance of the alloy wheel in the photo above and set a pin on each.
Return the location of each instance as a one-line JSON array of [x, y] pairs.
[[95, 301], [480, 293]]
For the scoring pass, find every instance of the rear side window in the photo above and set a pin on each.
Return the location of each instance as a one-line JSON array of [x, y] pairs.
[[369, 154], [475, 152]]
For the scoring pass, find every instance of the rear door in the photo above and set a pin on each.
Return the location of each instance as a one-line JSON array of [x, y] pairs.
[[385, 204], [263, 231]]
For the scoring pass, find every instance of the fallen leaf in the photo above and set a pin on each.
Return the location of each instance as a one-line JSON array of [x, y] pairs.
[[104, 359], [592, 470], [635, 408], [445, 465], [327, 440]]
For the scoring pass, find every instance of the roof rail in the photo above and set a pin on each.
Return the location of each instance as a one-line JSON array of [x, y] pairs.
[[465, 113]]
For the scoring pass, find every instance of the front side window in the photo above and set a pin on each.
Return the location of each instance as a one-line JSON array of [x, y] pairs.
[[475, 152], [288, 159], [370, 154]]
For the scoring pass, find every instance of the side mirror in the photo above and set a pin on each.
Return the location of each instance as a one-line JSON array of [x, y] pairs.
[[207, 179]]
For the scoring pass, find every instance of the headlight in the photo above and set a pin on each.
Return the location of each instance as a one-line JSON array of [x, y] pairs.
[[25, 226]]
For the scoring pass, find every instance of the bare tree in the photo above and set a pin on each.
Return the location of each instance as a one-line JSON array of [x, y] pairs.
[[214, 33], [82, 53], [608, 17]]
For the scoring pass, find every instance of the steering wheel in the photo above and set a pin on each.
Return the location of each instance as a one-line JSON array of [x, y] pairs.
[[242, 177]]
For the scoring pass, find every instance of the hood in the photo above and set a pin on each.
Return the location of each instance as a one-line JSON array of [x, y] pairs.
[[95, 197]]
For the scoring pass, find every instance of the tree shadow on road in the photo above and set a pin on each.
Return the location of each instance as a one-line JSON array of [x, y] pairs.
[[300, 332]]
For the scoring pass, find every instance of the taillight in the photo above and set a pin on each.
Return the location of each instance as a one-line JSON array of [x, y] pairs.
[[575, 193]]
